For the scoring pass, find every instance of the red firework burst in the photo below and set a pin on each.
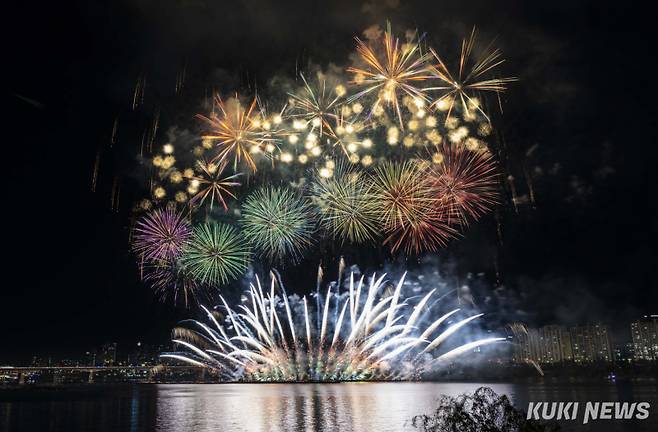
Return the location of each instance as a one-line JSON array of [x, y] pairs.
[[413, 219], [464, 181], [430, 231]]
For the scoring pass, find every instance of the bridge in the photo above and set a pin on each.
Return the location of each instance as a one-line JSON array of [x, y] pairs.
[[149, 371]]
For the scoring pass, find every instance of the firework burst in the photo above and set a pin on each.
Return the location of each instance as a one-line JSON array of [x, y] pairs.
[[465, 182], [401, 192], [277, 222], [461, 86], [170, 281], [346, 205], [161, 235], [212, 184], [373, 336], [391, 74], [316, 105], [414, 220], [236, 130], [214, 255]]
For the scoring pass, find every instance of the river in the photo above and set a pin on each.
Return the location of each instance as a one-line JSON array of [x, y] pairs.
[[359, 407]]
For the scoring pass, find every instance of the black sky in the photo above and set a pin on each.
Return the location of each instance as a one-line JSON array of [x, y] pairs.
[[584, 251]]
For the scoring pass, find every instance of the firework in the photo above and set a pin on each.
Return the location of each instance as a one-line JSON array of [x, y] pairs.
[[464, 181], [413, 219], [429, 231], [170, 281], [213, 184], [403, 177], [277, 222], [214, 255], [346, 204], [236, 131], [317, 106], [461, 86], [390, 75], [161, 235], [374, 336]]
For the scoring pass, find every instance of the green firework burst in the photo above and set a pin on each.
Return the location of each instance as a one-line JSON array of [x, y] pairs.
[[401, 192], [278, 223], [215, 254], [346, 204]]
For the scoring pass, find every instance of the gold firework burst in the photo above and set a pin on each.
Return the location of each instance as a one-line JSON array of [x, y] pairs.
[[459, 88], [212, 184], [237, 131], [390, 74], [316, 105]]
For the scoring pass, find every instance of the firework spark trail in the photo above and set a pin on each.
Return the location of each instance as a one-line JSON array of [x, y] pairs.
[[381, 337], [115, 194], [97, 163], [113, 135], [138, 94]]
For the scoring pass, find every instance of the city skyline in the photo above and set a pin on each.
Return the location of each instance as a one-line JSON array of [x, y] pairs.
[[586, 343]]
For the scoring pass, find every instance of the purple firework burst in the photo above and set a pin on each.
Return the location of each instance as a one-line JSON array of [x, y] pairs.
[[161, 235]]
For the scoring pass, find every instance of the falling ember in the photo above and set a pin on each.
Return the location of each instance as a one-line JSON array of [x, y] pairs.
[[97, 162], [154, 129], [363, 334], [138, 94], [113, 136], [180, 80], [115, 194]]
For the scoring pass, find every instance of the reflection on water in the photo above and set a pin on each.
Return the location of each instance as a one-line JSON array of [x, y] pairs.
[[279, 407], [300, 407]]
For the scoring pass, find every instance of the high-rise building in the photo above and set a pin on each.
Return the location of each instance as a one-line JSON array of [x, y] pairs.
[[109, 354], [556, 344], [549, 344], [591, 343], [645, 338], [624, 352]]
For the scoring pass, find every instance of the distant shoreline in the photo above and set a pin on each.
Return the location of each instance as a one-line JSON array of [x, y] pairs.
[[557, 380]]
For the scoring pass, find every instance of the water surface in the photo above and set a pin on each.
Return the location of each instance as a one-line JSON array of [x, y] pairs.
[[359, 407]]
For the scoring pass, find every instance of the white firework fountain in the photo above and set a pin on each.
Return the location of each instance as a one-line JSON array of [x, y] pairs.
[[368, 332]]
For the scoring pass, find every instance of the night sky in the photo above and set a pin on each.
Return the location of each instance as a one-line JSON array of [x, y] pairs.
[[580, 125]]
